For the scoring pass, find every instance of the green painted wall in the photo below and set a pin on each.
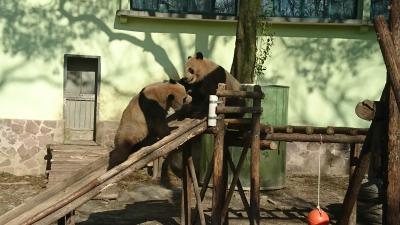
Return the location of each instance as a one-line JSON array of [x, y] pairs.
[[329, 69]]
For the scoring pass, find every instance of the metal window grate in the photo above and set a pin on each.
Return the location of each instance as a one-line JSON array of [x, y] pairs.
[[206, 7], [379, 7], [326, 9], [321, 9]]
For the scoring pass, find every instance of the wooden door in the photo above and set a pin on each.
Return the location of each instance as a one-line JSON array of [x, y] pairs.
[[80, 97]]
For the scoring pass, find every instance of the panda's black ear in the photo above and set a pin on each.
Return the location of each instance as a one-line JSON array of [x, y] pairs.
[[172, 81], [189, 57], [199, 55]]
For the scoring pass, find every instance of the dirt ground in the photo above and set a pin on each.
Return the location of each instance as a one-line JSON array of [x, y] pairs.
[[139, 200]]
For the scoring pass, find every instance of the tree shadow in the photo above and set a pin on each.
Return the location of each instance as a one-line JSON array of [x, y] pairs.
[[161, 211], [329, 66], [46, 31]]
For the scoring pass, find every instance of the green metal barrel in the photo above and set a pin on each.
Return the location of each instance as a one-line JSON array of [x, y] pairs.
[[272, 163]]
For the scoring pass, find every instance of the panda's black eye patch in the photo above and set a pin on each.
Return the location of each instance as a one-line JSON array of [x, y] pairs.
[[191, 70]]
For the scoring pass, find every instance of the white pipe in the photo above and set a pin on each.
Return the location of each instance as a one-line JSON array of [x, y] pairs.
[[212, 111]]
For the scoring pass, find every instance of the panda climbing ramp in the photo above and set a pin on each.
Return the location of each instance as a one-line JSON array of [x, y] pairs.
[[201, 80], [143, 121]]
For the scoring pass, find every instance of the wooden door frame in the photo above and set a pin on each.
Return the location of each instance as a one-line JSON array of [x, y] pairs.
[[97, 87]]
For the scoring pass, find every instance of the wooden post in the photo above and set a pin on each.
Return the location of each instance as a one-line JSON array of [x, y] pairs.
[[219, 188], [235, 179], [196, 191], [389, 55], [239, 187], [354, 154], [372, 142], [68, 219], [255, 163], [186, 189], [391, 205]]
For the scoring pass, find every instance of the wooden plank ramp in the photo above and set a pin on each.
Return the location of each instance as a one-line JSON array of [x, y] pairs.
[[67, 159], [58, 200]]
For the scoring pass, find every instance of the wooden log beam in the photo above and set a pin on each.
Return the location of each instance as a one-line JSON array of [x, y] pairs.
[[255, 163], [219, 189], [235, 179], [239, 187], [196, 191], [372, 142], [186, 189], [354, 155], [264, 144], [207, 178], [316, 130], [239, 94], [391, 207], [234, 109], [266, 128], [389, 55], [335, 138]]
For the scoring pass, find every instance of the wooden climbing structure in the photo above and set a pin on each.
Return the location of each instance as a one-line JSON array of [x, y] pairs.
[[62, 198]]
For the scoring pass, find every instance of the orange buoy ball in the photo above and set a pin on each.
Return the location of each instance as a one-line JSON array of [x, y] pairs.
[[318, 217]]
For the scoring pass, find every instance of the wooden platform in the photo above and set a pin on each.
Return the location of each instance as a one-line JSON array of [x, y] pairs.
[[63, 160], [63, 197]]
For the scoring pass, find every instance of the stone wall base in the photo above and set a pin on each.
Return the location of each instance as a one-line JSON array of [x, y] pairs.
[[23, 148], [23, 144]]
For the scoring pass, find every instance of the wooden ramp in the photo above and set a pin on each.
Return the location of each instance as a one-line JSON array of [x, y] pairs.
[[64, 160], [63, 197]]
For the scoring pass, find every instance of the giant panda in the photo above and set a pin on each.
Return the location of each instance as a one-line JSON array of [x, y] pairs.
[[144, 121], [201, 79]]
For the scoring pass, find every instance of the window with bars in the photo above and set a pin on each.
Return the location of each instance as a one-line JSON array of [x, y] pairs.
[[323, 9], [379, 7], [205, 7], [326, 9]]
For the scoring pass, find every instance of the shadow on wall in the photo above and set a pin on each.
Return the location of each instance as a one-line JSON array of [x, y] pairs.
[[336, 69], [48, 30]]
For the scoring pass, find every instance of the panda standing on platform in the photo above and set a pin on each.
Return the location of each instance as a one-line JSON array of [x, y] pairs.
[[144, 120], [201, 80]]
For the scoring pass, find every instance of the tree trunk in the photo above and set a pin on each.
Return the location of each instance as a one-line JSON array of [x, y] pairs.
[[244, 58]]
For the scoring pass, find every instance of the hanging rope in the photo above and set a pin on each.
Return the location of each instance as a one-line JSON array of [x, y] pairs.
[[319, 170], [318, 216]]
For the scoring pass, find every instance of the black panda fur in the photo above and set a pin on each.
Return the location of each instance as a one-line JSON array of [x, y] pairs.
[[202, 82], [143, 122]]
